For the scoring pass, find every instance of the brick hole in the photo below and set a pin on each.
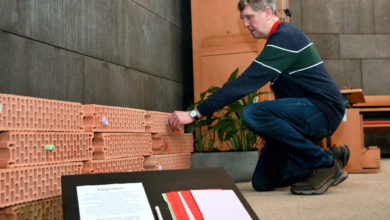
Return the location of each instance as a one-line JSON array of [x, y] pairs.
[[39, 190], [22, 195], [12, 153]]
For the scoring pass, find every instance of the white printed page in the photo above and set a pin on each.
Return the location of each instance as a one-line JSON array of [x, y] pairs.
[[113, 201]]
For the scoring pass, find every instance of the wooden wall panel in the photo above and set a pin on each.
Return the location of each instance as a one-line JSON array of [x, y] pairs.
[[221, 43], [216, 69]]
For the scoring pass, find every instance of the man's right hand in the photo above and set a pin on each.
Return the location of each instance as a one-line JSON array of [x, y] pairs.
[[178, 119]]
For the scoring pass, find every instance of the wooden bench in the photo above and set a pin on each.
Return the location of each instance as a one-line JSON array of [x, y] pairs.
[[360, 119], [376, 113]]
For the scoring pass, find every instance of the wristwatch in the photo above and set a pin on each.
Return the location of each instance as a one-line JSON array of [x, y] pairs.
[[194, 114]]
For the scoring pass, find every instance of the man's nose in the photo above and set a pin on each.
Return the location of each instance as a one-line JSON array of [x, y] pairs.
[[246, 22]]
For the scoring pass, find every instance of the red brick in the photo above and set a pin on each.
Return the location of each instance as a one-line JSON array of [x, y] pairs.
[[168, 162], [25, 184], [114, 165], [29, 148], [157, 122], [172, 143], [22, 113], [45, 209], [99, 118], [119, 145]]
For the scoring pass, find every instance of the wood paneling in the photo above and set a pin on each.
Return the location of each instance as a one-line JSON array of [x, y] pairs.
[[221, 43]]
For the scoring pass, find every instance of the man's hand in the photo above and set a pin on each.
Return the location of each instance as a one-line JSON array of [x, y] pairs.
[[178, 119]]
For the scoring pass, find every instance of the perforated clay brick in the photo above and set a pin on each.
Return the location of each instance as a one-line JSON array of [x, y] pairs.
[[114, 165], [157, 144], [168, 162], [172, 143], [119, 145], [37, 148], [99, 118], [25, 184], [45, 209], [22, 113], [157, 122]]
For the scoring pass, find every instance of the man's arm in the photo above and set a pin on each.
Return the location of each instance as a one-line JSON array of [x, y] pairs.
[[268, 65], [253, 78]]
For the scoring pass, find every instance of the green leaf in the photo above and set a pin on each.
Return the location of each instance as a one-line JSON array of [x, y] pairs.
[[233, 75], [235, 106]]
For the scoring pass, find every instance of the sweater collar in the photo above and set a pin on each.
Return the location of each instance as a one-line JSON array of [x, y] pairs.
[[274, 27]]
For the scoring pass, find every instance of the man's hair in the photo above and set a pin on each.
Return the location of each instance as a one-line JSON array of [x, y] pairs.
[[256, 5]]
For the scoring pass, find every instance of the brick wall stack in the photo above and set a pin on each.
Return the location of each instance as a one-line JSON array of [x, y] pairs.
[[171, 150], [120, 141], [42, 140]]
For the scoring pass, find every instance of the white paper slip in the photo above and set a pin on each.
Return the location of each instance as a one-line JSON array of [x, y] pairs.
[[0, 107], [113, 201], [220, 204], [345, 116]]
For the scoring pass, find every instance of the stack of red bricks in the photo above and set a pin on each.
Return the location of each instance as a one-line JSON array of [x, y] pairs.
[[42, 140]]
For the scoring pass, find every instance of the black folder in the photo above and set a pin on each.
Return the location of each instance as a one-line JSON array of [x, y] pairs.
[[155, 183]]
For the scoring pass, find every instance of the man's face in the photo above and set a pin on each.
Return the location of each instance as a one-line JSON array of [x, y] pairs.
[[255, 21]]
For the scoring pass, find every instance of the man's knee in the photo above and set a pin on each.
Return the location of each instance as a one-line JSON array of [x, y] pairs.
[[253, 117], [248, 116]]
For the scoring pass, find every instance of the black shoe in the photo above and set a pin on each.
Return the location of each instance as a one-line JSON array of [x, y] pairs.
[[321, 180], [341, 153]]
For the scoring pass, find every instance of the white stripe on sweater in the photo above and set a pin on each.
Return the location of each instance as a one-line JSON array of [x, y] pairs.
[[292, 51], [306, 68], [270, 67]]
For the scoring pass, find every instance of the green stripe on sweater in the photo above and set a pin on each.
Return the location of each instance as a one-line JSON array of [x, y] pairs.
[[289, 61], [307, 58]]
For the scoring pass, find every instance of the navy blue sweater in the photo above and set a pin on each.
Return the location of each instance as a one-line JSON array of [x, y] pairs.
[[292, 63]]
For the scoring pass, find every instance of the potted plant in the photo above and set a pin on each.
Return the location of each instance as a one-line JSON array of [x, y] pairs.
[[225, 132]]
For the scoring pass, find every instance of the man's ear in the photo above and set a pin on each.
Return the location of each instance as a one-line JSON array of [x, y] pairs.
[[268, 11]]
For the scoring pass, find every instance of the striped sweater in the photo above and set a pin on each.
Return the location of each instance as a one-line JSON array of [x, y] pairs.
[[293, 65]]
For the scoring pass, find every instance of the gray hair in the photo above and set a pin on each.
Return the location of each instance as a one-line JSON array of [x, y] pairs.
[[256, 5]]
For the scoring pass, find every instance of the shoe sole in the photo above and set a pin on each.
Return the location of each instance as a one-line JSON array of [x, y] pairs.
[[319, 191], [341, 178]]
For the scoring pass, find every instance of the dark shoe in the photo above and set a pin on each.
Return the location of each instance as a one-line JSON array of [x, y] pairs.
[[341, 175], [320, 181], [341, 153]]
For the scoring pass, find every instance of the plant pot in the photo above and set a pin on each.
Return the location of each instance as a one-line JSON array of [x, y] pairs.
[[239, 165]]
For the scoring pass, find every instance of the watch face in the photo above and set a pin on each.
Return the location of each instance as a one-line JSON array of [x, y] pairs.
[[193, 114]]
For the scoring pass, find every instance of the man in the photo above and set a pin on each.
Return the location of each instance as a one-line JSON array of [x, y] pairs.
[[308, 106]]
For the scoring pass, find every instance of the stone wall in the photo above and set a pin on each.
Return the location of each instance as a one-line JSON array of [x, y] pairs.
[[130, 53], [353, 38]]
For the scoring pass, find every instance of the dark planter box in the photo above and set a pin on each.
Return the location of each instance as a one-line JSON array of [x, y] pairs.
[[239, 165]]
